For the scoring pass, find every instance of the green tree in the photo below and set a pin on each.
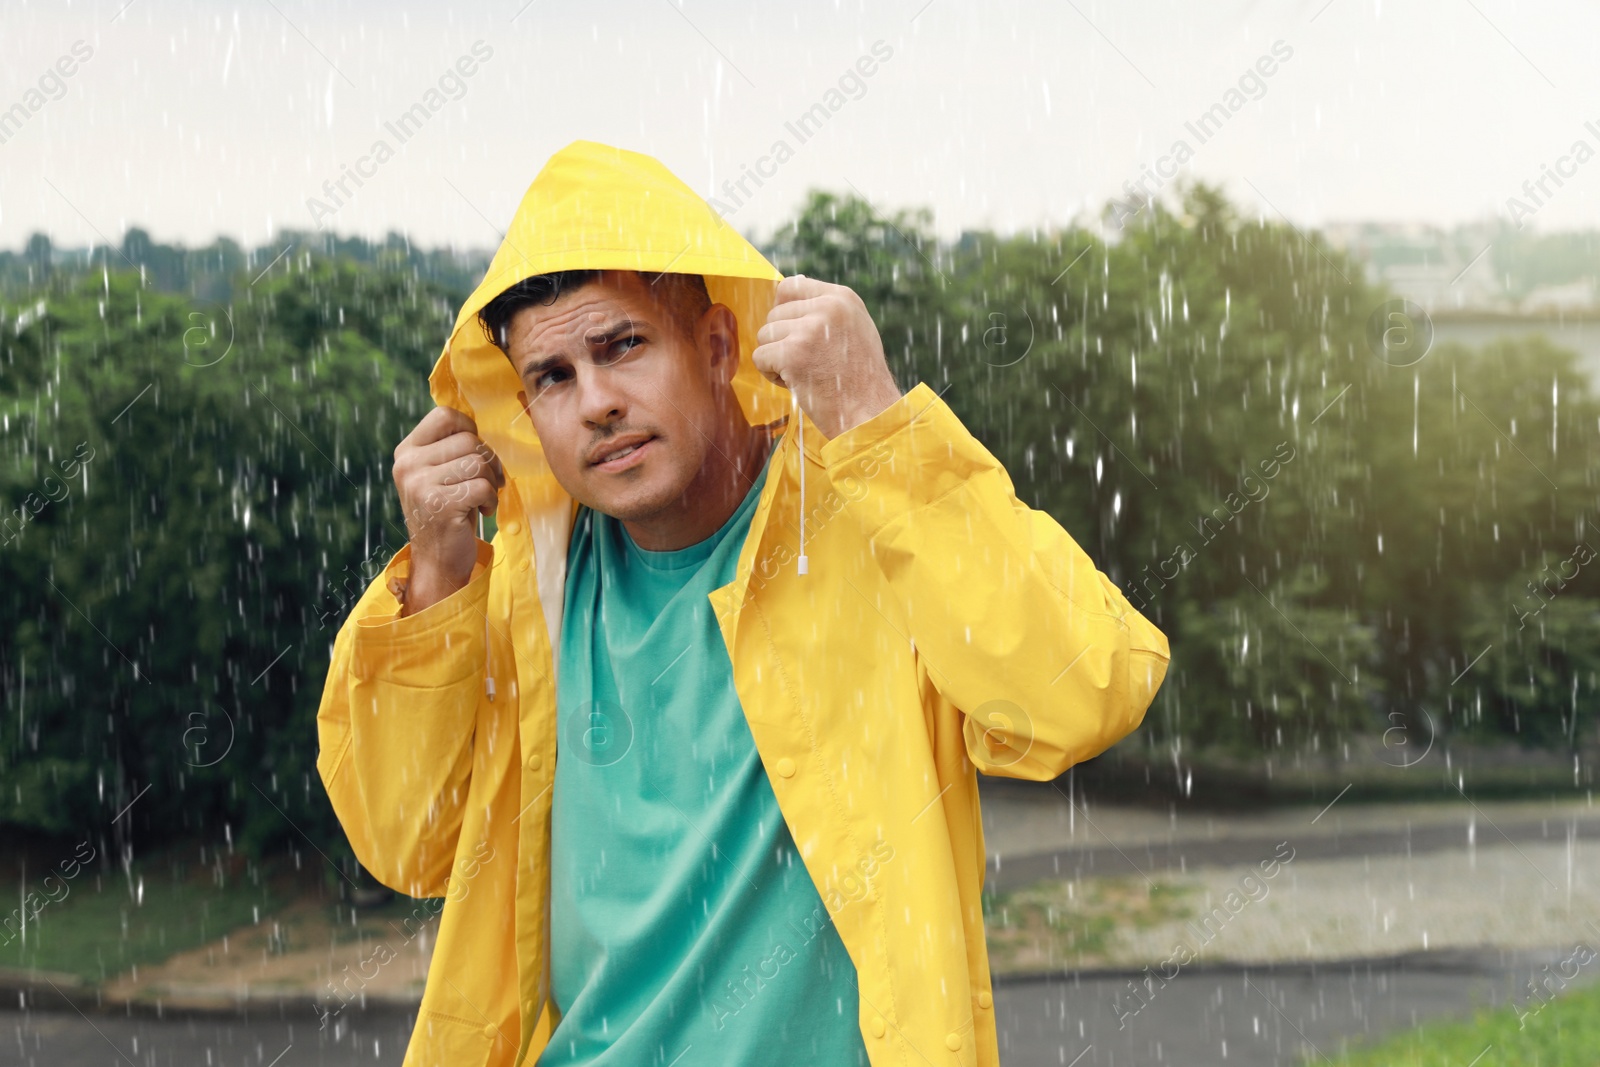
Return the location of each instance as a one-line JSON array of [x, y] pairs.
[[174, 601]]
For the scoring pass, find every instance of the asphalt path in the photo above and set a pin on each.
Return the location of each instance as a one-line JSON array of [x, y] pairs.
[[1113, 860], [1241, 1017], [1259, 1016], [1255, 1017], [67, 1037]]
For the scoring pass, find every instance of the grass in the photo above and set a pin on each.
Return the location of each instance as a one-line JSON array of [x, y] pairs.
[[1564, 1032], [299, 948], [170, 918], [111, 921], [1055, 923]]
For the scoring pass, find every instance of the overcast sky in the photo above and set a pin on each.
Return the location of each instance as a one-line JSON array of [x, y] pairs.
[[197, 119]]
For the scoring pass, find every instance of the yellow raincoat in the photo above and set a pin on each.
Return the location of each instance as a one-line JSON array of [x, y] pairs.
[[943, 629]]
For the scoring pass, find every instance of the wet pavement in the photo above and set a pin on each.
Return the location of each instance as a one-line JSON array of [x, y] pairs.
[[68, 1038], [1258, 1017], [1213, 1012], [1114, 860]]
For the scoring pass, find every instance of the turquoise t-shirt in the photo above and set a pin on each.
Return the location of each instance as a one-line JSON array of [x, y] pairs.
[[684, 927]]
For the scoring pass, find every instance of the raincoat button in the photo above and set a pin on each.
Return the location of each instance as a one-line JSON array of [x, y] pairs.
[[878, 1027], [527, 1008], [489, 1031], [952, 1042], [535, 761], [786, 767], [522, 566], [512, 527], [985, 1000]]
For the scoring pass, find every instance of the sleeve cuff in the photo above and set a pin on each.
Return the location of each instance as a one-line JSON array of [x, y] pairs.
[[837, 451], [439, 645], [910, 454]]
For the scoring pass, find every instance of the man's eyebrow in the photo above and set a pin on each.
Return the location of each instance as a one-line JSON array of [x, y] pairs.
[[597, 338]]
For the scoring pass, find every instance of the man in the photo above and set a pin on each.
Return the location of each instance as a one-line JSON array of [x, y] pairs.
[[690, 750]]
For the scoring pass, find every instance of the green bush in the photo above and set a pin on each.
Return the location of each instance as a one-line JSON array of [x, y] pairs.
[[210, 476]]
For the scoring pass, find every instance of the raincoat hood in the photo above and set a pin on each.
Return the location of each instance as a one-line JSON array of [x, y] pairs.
[[595, 207]]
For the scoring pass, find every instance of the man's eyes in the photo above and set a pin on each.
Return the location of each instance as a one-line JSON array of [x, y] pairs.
[[619, 348]]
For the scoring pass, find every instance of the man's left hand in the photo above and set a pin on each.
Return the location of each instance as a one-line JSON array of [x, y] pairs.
[[820, 342]]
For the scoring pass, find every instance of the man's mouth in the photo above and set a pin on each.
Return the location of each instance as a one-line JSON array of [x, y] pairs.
[[619, 454]]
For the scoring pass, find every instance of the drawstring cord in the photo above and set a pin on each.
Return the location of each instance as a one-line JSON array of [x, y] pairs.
[[802, 417], [488, 678]]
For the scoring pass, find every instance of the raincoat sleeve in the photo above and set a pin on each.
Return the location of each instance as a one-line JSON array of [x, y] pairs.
[[1044, 657], [395, 726]]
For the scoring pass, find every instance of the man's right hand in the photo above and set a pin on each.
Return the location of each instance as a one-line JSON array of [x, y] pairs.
[[446, 475]]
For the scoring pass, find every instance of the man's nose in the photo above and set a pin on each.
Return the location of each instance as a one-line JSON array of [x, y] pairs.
[[600, 400]]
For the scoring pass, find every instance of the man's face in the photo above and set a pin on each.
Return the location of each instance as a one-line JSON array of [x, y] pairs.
[[607, 367]]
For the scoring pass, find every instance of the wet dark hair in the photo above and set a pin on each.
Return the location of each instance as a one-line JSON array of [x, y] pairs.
[[684, 295]]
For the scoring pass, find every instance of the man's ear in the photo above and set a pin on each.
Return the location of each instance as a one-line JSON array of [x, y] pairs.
[[719, 331]]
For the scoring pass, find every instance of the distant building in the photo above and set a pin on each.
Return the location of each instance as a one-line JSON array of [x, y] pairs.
[[1452, 274], [1440, 270], [1578, 296]]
